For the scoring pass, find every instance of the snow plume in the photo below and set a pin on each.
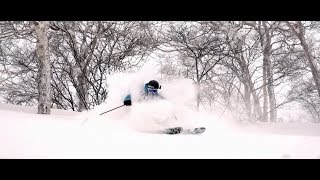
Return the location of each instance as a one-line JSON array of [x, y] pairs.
[[175, 110], [119, 86]]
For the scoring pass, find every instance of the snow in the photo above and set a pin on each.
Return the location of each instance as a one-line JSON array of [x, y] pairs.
[[64, 134], [128, 132]]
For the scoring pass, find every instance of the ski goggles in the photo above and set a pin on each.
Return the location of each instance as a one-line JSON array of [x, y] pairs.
[[152, 90]]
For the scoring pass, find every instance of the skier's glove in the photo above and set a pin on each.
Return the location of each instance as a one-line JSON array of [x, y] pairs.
[[127, 102]]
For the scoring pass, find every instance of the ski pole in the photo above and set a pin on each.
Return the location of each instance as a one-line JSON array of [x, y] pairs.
[[112, 109]]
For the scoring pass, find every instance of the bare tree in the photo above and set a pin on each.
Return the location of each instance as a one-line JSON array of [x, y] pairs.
[[87, 52], [21, 32], [265, 31], [200, 47], [299, 31], [44, 73], [241, 56], [236, 65]]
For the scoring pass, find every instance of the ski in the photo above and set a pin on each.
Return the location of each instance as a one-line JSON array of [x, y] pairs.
[[197, 130], [173, 130], [180, 130]]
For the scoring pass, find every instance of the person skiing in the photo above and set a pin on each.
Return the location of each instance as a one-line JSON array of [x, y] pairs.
[[150, 93]]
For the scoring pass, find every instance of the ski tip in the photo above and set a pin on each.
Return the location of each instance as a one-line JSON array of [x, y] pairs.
[[195, 131]]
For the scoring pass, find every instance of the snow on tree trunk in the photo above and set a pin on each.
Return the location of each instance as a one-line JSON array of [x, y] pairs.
[[44, 75]]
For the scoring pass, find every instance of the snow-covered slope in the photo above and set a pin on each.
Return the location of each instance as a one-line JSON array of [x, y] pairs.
[[66, 134]]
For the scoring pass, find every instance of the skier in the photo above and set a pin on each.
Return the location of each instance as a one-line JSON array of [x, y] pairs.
[[150, 93]]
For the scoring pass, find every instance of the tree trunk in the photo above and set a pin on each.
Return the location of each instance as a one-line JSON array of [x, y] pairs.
[[257, 107], [264, 114], [313, 68], [300, 34], [44, 74], [269, 74], [272, 99], [247, 100], [249, 84], [198, 95], [83, 84], [268, 88], [82, 93], [264, 92]]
